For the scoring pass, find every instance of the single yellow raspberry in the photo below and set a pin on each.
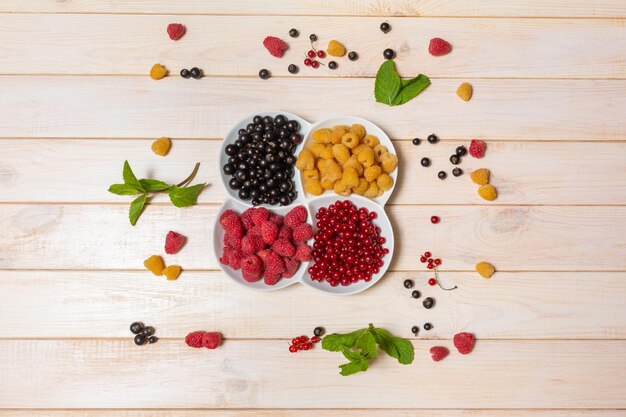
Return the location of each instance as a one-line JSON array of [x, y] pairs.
[[157, 72], [354, 163], [331, 170], [313, 186], [335, 48], [351, 140], [362, 187], [321, 135], [310, 174], [342, 189], [337, 133], [172, 272], [372, 173], [327, 184], [358, 130], [385, 182], [154, 264], [389, 162], [371, 141], [327, 153], [316, 148], [341, 153], [485, 269], [161, 146], [305, 161], [350, 177], [480, 176], [464, 91], [372, 190], [488, 192], [367, 157], [380, 150]]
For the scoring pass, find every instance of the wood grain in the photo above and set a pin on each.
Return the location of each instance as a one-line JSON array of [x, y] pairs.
[[494, 8], [524, 172], [208, 108], [512, 238], [260, 374], [523, 305], [130, 44]]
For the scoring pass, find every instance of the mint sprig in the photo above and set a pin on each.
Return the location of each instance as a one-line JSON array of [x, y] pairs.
[[361, 346], [391, 90], [180, 194]]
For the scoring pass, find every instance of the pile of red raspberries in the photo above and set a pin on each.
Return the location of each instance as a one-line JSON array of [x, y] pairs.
[[265, 245]]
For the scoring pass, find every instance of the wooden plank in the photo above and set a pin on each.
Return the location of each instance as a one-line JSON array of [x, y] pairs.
[[513, 238], [123, 107], [83, 304], [524, 172], [260, 374], [130, 44], [494, 8]]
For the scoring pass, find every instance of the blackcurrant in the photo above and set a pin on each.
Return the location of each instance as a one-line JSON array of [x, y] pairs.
[[318, 331], [292, 68], [461, 151], [457, 172], [408, 283], [332, 65], [140, 340], [416, 294], [185, 73], [428, 326], [385, 27], [428, 302], [416, 141], [136, 327], [442, 175], [415, 330], [432, 138], [353, 56], [264, 74], [294, 33], [455, 159], [389, 53], [153, 339], [312, 37], [147, 331], [195, 73], [425, 162]]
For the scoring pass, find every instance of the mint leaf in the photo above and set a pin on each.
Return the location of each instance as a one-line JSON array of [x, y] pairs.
[[354, 367], [396, 347], [123, 189], [136, 207], [367, 344], [336, 342], [411, 88], [153, 185], [187, 196], [387, 84], [129, 177], [352, 355]]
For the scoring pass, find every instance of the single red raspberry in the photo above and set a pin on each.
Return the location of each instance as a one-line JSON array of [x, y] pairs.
[[276, 219], [477, 148], [235, 258], [269, 232], [194, 339], [173, 242], [246, 218], [231, 241], [464, 342], [285, 233], [275, 46], [252, 268], [271, 278], [251, 244], [439, 47], [274, 263], [175, 31], [303, 253], [296, 217], [437, 353], [260, 215], [283, 247], [255, 231], [302, 233], [232, 224], [211, 340], [291, 266]]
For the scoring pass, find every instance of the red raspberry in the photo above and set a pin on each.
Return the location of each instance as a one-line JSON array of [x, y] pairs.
[[194, 339], [276, 219], [439, 47], [477, 148], [252, 268], [285, 233], [211, 340], [302, 233], [246, 218], [273, 263], [291, 266], [269, 232], [231, 224], [275, 46], [251, 244], [296, 217], [231, 241], [283, 247], [303, 253], [255, 231], [260, 215], [235, 258], [175, 31], [173, 242], [464, 342], [271, 278], [438, 353]]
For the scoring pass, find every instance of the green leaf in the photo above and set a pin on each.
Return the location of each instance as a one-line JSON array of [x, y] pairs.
[[367, 344], [186, 196], [153, 185], [336, 342], [387, 84], [352, 355], [129, 177], [136, 207], [123, 189], [396, 347], [354, 367], [411, 88]]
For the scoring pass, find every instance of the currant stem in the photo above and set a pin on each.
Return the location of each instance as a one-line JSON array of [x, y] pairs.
[[191, 176], [440, 286]]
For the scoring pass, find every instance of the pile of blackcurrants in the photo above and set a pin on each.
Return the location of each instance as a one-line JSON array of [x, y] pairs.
[[261, 161]]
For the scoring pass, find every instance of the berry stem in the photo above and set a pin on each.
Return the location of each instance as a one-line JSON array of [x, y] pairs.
[[438, 283], [191, 176]]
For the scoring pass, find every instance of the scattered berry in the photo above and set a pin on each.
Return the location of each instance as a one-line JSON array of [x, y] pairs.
[[480, 176], [432, 138], [438, 47], [454, 159], [147, 331], [308, 62], [457, 172], [311, 53], [161, 146], [437, 353], [335, 48], [321, 54], [389, 53], [428, 302], [173, 242], [294, 33], [487, 192], [415, 330], [292, 68], [172, 272], [477, 148], [313, 37], [200, 339], [464, 91], [293, 348], [195, 73], [185, 73], [423, 259], [461, 150], [416, 141], [427, 254], [140, 340], [434, 219], [353, 56], [416, 294], [315, 339], [275, 46], [442, 175], [154, 264], [264, 74], [464, 342], [157, 72], [485, 269], [315, 64], [432, 282], [332, 65], [408, 283], [153, 339], [175, 31], [428, 326], [319, 331], [437, 262], [385, 27], [425, 162], [136, 327]]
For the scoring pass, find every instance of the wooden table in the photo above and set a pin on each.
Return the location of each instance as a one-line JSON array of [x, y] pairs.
[[76, 101]]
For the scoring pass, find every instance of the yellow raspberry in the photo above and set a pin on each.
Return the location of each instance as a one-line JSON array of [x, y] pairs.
[[358, 130], [380, 150], [354, 163], [154, 264], [331, 170], [161, 146], [305, 160], [313, 186], [321, 135], [335, 48], [327, 184], [372, 173], [367, 157], [342, 189], [480, 176], [362, 187], [488, 192], [310, 175], [389, 162], [371, 141], [337, 133], [172, 272], [372, 190], [357, 150], [485, 269], [464, 91], [350, 140], [350, 178], [385, 182], [316, 149], [327, 153], [157, 72], [341, 153]]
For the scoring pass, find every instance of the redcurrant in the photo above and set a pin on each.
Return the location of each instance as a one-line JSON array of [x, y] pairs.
[[321, 54], [432, 282], [434, 219], [427, 254], [311, 54]]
